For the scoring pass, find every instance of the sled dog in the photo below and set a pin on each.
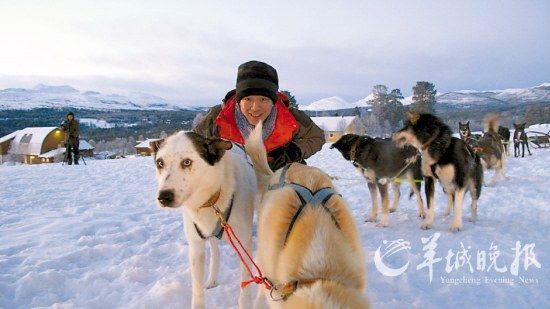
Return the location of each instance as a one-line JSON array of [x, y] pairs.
[[308, 244], [447, 159], [380, 161], [467, 135], [490, 148], [196, 174]]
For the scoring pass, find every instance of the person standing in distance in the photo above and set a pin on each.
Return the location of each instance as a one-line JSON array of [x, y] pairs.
[[72, 134]]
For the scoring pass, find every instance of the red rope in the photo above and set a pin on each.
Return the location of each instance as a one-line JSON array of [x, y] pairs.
[[256, 279]]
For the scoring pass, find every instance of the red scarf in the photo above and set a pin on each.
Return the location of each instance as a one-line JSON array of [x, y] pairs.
[[283, 131]]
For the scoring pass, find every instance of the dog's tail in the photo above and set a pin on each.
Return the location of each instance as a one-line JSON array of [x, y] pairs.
[[254, 147], [478, 175], [491, 122]]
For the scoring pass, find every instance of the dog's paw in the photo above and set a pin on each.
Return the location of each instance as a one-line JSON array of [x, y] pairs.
[[455, 227], [371, 219], [426, 225], [473, 219], [422, 215], [210, 284], [382, 224], [393, 209]]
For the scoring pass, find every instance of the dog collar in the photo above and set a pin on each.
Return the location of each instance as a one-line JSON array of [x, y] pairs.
[[212, 200], [284, 291], [218, 230]]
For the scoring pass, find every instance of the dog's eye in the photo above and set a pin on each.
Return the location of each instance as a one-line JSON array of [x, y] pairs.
[[160, 163], [186, 163]]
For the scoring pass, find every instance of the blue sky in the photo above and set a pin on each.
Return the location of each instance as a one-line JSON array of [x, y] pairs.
[[188, 51]]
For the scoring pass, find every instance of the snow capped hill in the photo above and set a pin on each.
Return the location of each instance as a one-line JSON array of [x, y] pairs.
[[334, 103], [365, 101], [331, 103], [460, 98], [44, 96], [466, 98]]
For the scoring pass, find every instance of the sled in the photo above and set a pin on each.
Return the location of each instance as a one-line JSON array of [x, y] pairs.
[[539, 139]]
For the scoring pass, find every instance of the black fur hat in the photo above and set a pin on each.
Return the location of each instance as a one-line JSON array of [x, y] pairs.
[[257, 78], [70, 114]]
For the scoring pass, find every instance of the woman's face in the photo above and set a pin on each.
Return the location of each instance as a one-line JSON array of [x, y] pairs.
[[256, 108]]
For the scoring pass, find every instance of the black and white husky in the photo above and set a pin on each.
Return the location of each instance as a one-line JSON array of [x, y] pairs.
[[447, 159], [380, 161], [196, 173]]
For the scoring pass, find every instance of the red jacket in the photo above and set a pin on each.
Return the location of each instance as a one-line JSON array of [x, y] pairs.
[[285, 124]]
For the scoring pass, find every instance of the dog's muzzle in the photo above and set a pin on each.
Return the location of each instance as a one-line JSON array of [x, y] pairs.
[[166, 198]]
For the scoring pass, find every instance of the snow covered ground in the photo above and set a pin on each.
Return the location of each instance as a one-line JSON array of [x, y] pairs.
[[92, 237]]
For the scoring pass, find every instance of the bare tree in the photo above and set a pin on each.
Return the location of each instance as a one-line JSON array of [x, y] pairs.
[[341, 125]]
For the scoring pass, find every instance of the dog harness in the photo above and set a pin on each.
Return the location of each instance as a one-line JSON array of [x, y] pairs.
[[218, 231], [307, 197]]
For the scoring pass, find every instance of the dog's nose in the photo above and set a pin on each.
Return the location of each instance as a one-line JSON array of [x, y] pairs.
[[166, 197]]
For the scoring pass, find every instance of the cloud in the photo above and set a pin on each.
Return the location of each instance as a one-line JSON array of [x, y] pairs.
[[189, 51]]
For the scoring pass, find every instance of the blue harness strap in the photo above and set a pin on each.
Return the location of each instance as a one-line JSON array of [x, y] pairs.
[[307, 197], [281, 182]]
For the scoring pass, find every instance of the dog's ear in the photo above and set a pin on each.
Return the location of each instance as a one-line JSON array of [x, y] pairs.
[[413, 116], [344, 144], [210, 149], [215, 149], [468, 123], [155, 145], [459, 123]]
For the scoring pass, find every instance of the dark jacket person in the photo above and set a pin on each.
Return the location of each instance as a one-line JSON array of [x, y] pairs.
[[72, 134], [289, 134]]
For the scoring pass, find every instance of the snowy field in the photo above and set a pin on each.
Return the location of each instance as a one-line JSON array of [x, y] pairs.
[[92, 237]]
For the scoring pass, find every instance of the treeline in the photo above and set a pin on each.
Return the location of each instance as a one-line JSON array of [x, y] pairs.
[[126, 123], [386, 112]]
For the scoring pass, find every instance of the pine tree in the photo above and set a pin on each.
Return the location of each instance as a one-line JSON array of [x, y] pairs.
[[291, 99], [395, 109], [380, 106], [424, 97]]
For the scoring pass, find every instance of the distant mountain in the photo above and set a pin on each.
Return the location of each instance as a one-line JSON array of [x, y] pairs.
[[332, 103], [472, 98], [44, 96], [453, 99]]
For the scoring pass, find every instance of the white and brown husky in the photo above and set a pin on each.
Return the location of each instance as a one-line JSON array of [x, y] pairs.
[[308, 243]]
